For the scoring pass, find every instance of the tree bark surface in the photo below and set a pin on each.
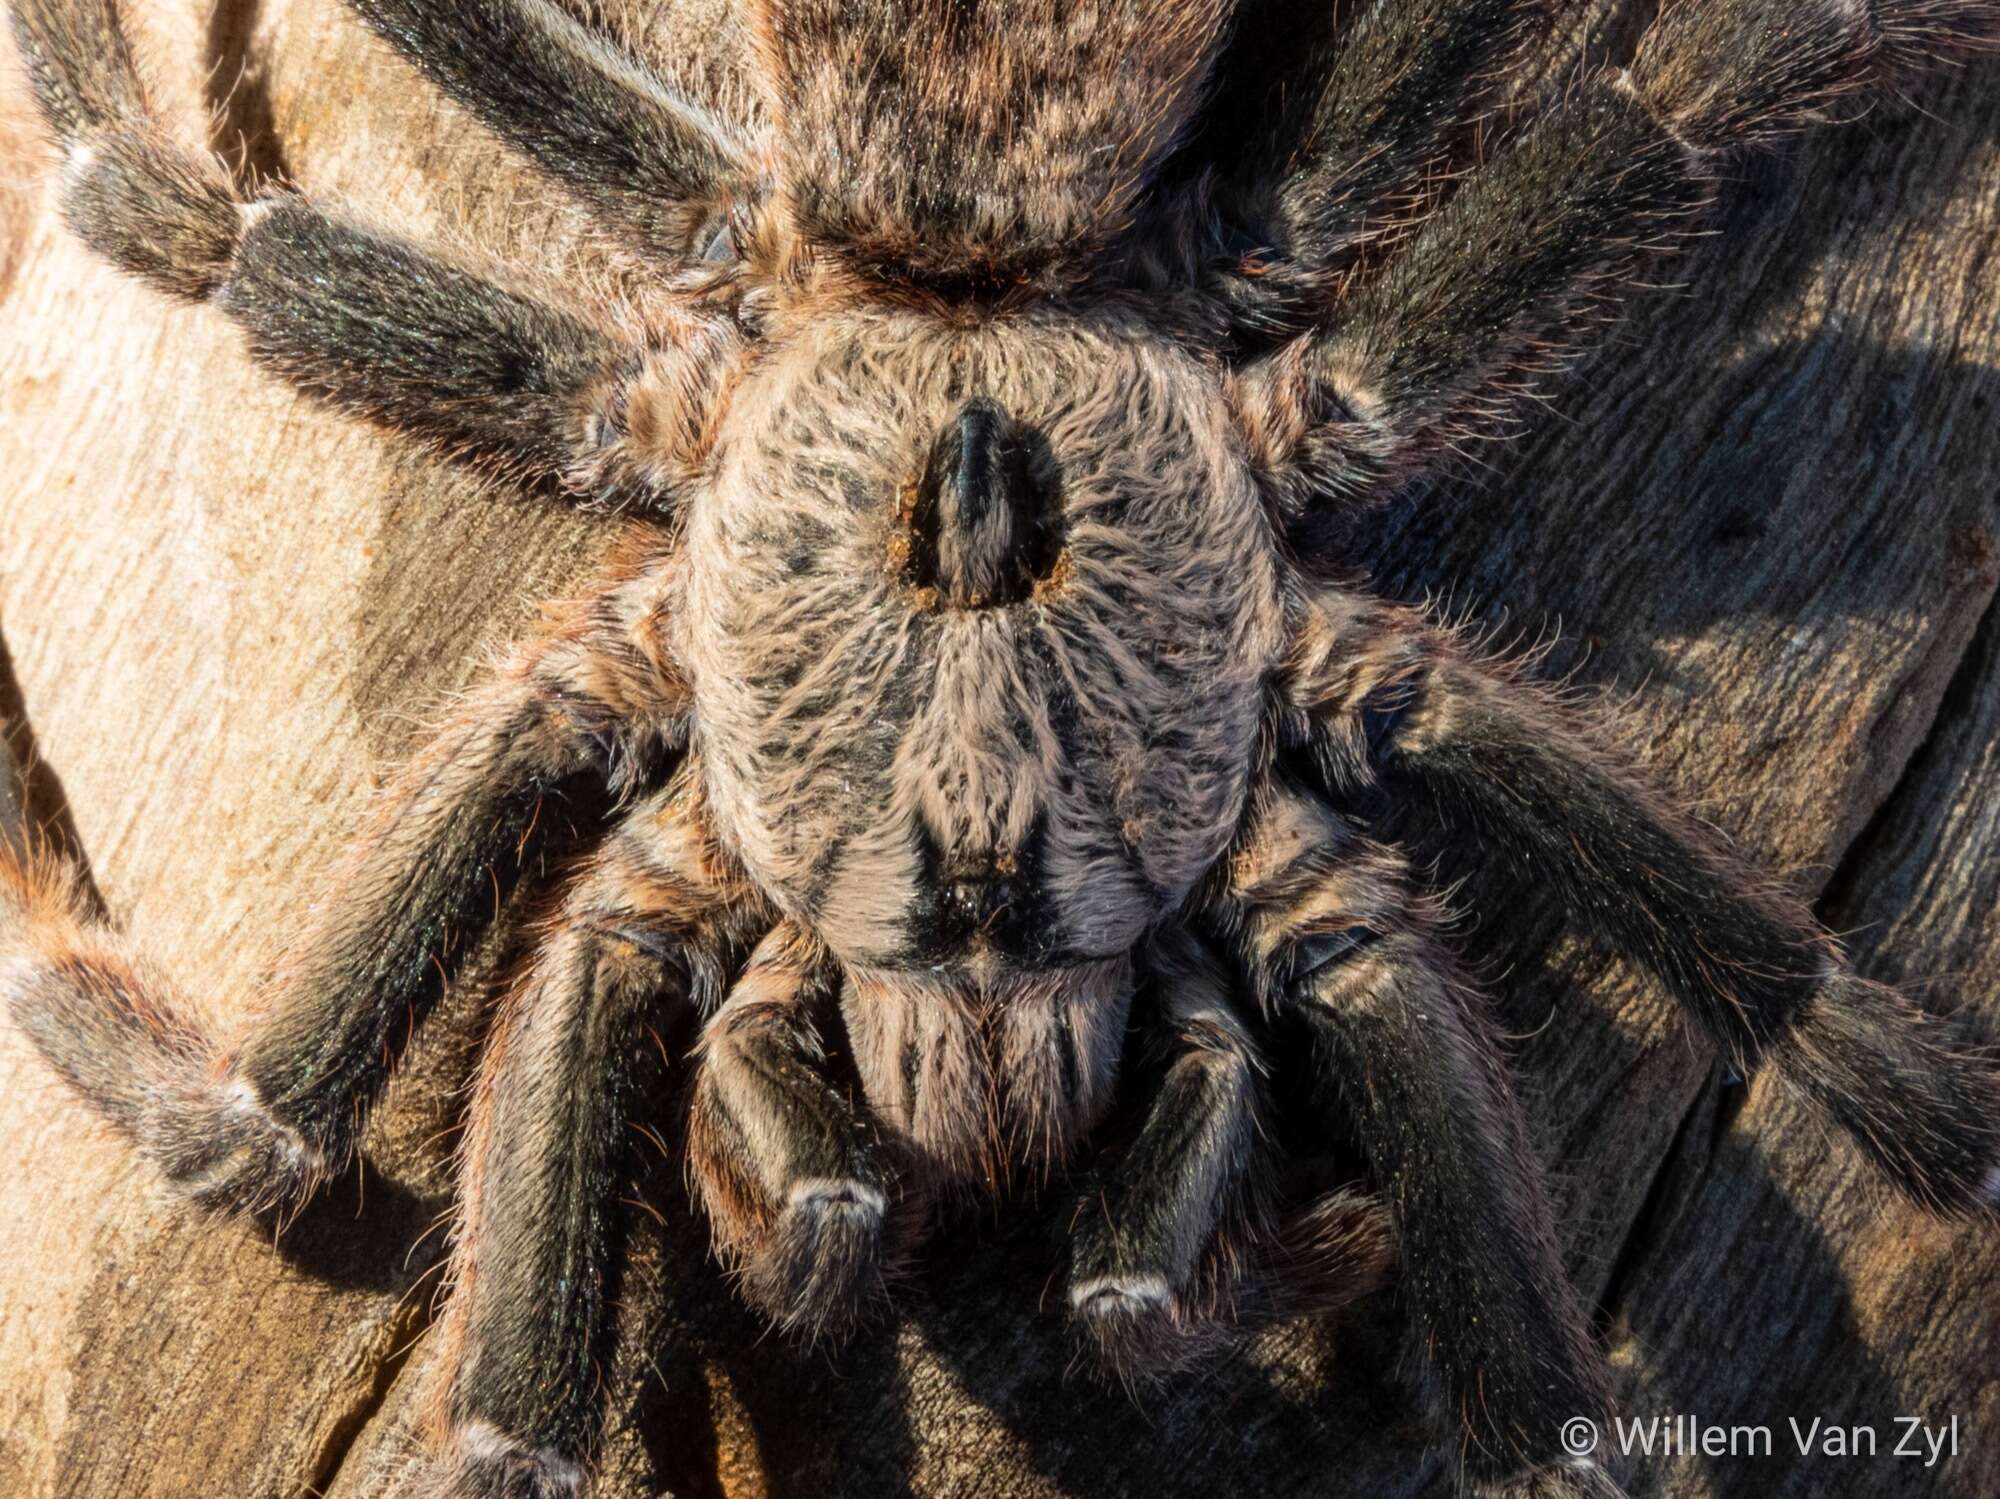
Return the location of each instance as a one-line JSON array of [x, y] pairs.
[[1768, 516]]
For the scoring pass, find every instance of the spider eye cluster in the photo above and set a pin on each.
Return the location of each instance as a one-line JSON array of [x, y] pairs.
[[982, 519]]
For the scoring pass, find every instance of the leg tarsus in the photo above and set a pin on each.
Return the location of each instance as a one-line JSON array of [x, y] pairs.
[[153, 208], [822, 1264], [203, 1130], [1133, 1328], [481, 1463], [1928, 1116], [116, 1033], [219, 1147], [1567, 1478]]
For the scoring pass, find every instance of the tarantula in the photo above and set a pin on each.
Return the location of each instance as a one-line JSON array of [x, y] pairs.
[[977, 690]]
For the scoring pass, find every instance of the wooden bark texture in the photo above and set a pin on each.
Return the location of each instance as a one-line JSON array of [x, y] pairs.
[[1768, 516]]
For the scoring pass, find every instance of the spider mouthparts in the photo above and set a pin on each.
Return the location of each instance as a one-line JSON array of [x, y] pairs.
[[981, 898]]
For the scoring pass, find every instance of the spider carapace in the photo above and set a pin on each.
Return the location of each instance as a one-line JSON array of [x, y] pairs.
[[976, 702], [979, 687]]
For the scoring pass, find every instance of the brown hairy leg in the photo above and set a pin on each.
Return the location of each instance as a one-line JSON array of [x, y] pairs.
[[1402, 80], [504, 378], [650, 159], [1393, 712], [1405, 1064], [650, 927], [588, 706], [1526, 263]]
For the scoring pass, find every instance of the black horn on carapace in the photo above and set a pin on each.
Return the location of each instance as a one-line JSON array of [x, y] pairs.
[[981, 530]]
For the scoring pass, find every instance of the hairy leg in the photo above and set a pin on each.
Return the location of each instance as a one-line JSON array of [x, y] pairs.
[[1330, 133], [647, 929], [1142, 1237], [1521, 268], [1397, 91], [255, 1125], [1406, 1064], [800, 1190], [1394, 708], [367, 322], [585, 111]]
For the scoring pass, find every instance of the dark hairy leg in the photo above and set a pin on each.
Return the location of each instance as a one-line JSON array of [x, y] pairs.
[[1398, 89], [801, 1192], [365, 321], [566, 96], [1395, 713], [256, 1126], [1331, 132], [1405, 1064], [1522, 267], [645, 931]]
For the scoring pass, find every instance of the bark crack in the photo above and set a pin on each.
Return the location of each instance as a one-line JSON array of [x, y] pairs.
[[243, 128], [1654, 1210], [406, 1330], [1955, 706]]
